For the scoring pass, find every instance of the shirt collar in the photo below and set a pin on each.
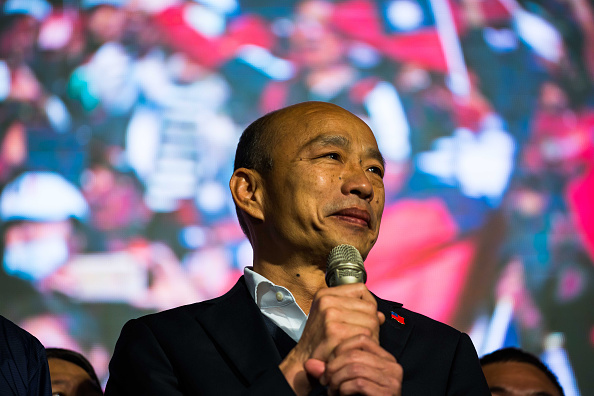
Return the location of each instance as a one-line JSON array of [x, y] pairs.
[[277, 303], [264, 292], [252, 280]]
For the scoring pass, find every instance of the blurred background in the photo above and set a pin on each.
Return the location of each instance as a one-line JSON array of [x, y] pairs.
[[119, 121]]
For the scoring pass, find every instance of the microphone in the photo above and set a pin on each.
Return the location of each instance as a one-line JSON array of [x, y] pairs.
[[344, 266]]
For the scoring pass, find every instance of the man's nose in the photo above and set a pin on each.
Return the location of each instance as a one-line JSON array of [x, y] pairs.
[[356, 181]]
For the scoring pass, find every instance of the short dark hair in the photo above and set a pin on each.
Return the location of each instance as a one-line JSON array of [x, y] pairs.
[[512, 354], [75, 358], [254, 151]]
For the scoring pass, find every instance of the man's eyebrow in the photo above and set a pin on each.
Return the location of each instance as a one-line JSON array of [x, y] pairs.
[[59, 381], [343, 142], [376, 155], [329, 140]]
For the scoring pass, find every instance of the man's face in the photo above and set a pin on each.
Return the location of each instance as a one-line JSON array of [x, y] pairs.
[[325, 187], [518, 379], [68, 379]]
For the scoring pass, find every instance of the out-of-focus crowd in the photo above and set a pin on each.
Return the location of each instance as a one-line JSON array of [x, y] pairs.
[[119, 120]]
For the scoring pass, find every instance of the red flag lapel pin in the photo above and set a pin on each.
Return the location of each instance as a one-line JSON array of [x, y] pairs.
[[397, 318]]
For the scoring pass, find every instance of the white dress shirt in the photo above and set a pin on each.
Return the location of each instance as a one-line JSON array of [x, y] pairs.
[[277, 303]]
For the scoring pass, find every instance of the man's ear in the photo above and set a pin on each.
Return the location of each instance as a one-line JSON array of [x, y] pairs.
[[247, 190]]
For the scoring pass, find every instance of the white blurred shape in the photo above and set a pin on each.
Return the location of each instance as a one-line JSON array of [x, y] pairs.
[[484, 162], [142, 141], [194, 237], [245, 254], [58, 114], [364, 55], [539, 34], [155, 6], [36, 259], [106, 277], [457, 80], [38, 9], [405, 14], [498, 326], [439, 162], [478, 331], [260, 58], [388, 121], [481, 163], [42, 196], [500, 40], [109, 75], [211, 197], [55, 33], [5, 80], [151, 75], [204, 20], [556, 359], [224, 6]]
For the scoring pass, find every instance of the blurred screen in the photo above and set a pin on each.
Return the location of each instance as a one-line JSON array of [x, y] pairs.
[[119, 122]]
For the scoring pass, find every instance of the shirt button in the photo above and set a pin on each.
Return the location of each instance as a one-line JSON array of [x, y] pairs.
[[279, 296]]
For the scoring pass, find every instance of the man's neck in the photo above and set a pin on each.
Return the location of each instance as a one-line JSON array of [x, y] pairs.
[[302, 281]]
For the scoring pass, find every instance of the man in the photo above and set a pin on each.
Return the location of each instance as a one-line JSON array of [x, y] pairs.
[[72, 374], [307, 178], [23, 365], [514, 372]]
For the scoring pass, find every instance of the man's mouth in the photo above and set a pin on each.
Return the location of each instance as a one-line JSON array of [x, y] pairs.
[[355, 216]]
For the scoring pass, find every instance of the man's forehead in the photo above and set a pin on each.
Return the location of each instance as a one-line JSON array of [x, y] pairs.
[[308, 120], [311, 112], [518, 376], [342, 141], [296, 127]]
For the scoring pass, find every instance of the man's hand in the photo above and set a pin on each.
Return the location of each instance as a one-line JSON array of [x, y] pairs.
[[358, 366], [337, 314]]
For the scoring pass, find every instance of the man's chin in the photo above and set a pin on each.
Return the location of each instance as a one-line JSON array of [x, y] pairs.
[[361, 238]]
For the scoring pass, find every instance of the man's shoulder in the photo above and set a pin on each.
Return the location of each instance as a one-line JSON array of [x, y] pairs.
[[429, 323], [436, 358], [408, 318], [24, 361], [18, 337]]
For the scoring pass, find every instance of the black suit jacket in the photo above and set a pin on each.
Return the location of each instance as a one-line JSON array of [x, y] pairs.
[[222, 347]]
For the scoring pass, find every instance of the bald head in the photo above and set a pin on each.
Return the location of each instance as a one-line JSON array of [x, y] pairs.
[[254, 150]]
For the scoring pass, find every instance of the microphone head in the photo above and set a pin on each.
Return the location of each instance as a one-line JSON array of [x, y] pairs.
[[344, 266]]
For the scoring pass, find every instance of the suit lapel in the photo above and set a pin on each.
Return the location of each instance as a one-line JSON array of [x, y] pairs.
[[236, 326], [393, 333]]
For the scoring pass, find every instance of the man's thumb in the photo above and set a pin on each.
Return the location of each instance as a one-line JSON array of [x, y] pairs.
[[315, 367]]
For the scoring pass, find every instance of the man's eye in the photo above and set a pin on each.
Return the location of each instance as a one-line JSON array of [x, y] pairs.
[[377, 170], [334, 156]]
